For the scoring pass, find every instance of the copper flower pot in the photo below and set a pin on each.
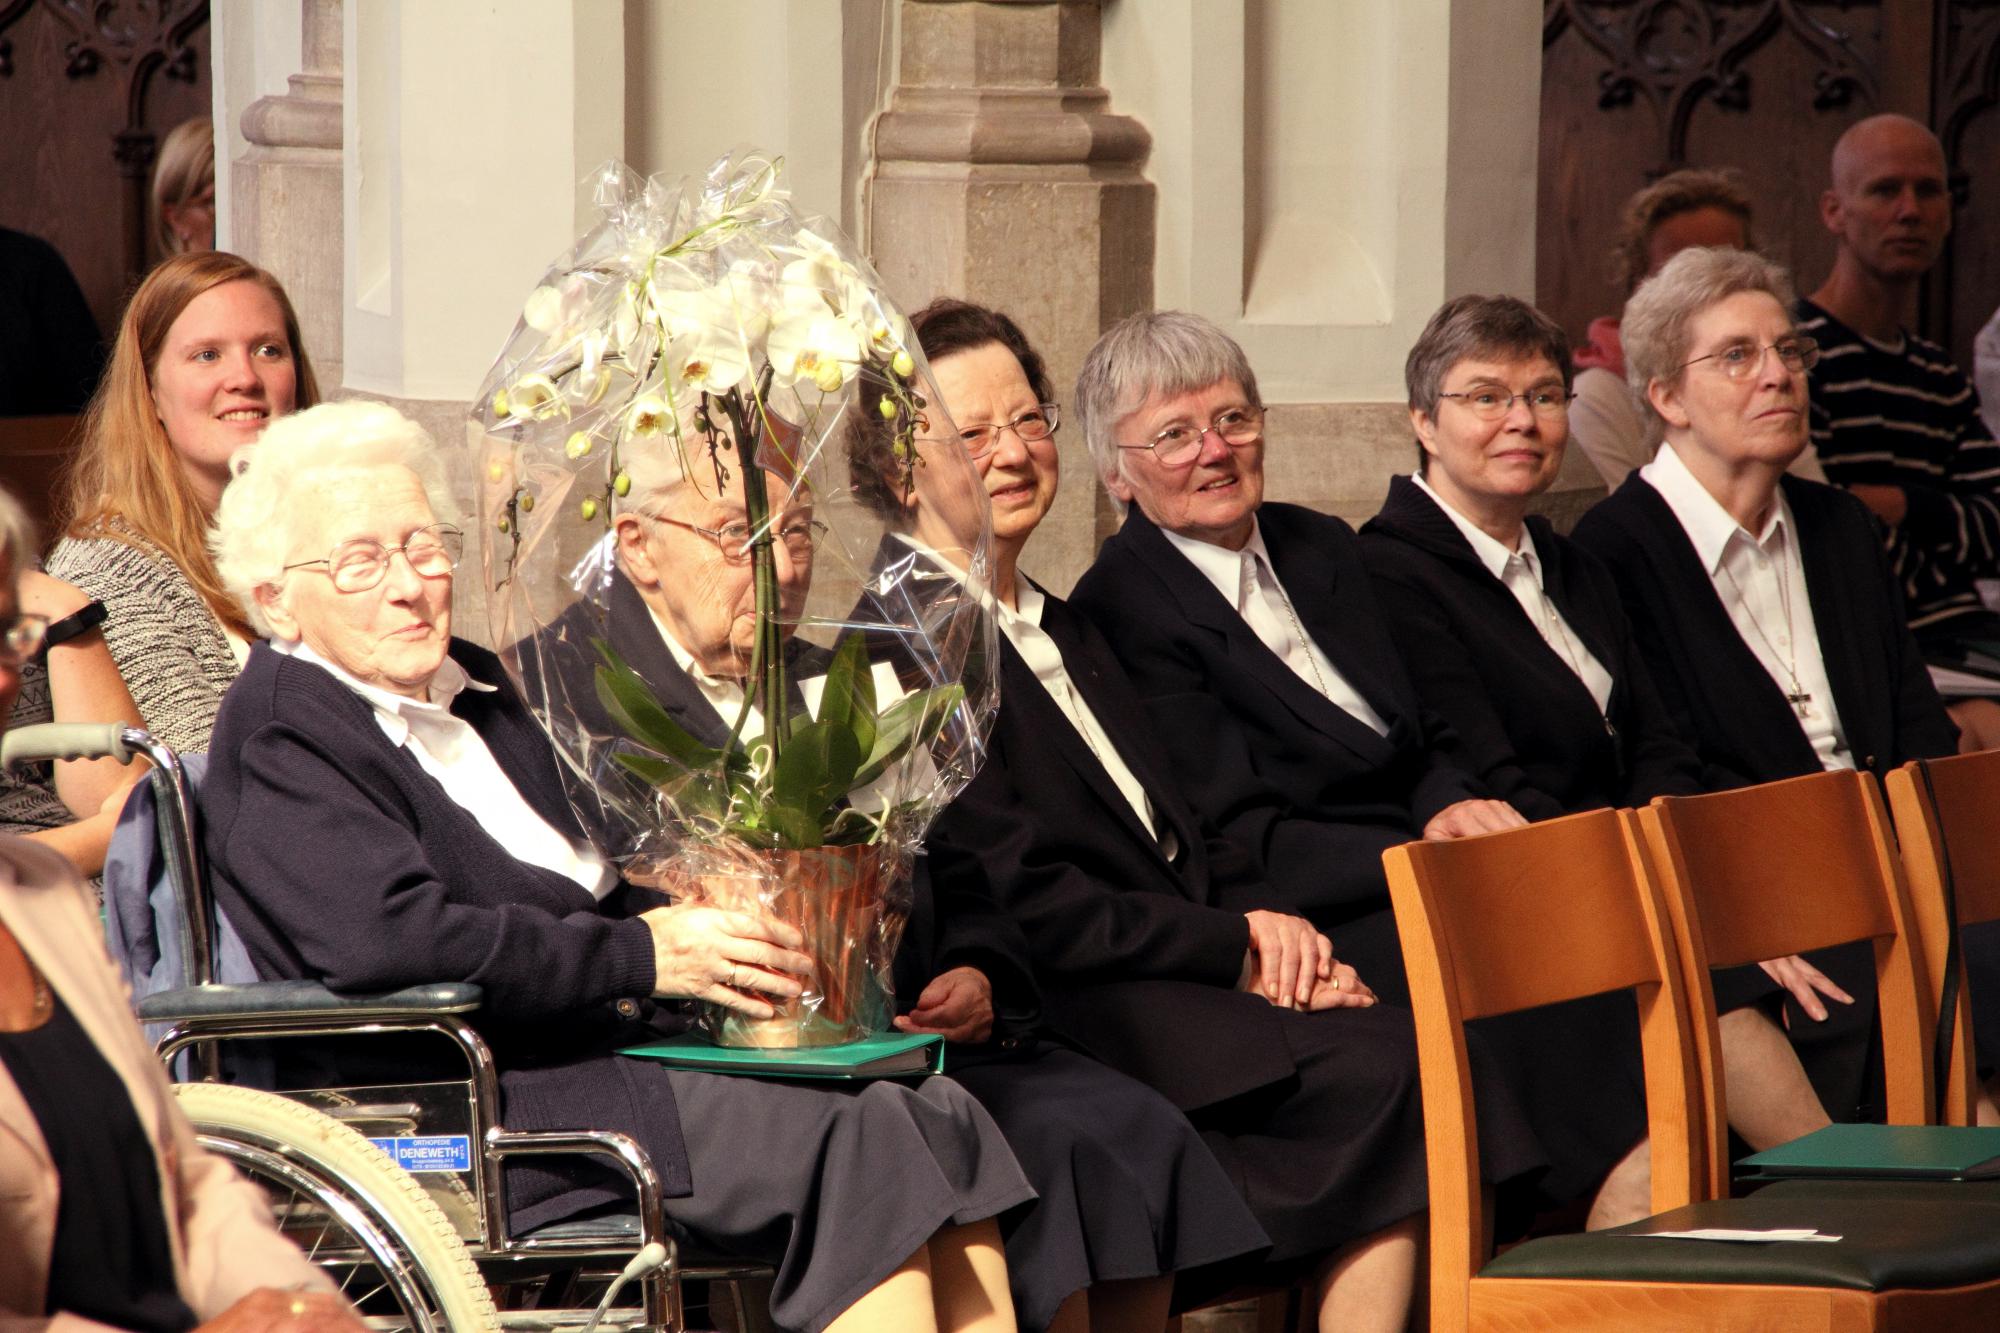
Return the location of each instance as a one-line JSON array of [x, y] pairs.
[[843, 900]]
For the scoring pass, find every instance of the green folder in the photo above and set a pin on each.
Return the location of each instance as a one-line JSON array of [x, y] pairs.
[[1902, 1152], [882, 1055]]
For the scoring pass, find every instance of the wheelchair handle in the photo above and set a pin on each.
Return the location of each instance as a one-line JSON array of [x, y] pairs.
[[72, 740]]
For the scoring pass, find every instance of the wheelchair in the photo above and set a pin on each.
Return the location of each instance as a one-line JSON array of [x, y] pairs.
[[394, 1190]]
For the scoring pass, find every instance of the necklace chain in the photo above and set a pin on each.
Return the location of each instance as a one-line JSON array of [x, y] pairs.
[[1798, 698], [1298, 630]]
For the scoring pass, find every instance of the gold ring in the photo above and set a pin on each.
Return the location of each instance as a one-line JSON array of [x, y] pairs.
[[1336, 981]]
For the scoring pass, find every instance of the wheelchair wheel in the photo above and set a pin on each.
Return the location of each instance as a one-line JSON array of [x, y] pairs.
[[349, 1207]]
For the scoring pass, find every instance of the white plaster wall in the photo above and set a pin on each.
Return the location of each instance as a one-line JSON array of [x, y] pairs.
[[1301, 151], [255, 49], [795, 78], [471, 127]]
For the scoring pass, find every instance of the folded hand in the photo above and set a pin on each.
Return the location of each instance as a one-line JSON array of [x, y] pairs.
[[1466, 819], [1288, 958]]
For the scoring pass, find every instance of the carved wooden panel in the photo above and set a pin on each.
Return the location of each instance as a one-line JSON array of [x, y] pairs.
[[86, 88], [1634, 88]]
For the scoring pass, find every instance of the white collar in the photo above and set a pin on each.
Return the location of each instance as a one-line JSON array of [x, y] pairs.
[[1028, 602], [1492, 553], [391, 709], [1708, 525], [1220, 565]]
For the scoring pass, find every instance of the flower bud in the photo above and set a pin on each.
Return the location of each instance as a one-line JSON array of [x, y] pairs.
[[588, 509], [578, 444], [903, 363], [527, 503], [888, 408], [622, 485]]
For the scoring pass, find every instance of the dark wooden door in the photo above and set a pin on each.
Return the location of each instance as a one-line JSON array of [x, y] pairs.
[[1632, 89], [86, 89]]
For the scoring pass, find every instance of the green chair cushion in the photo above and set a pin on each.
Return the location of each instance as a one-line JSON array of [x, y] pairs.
[[1894, 1234]]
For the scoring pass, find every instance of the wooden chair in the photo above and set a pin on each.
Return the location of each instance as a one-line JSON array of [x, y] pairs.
[[1570, 908], [1785, 868], [1961, 822]]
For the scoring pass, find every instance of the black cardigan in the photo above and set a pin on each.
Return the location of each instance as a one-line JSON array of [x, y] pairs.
[[1719, 695], [338, 859], [1313, 792], [1524, 721]]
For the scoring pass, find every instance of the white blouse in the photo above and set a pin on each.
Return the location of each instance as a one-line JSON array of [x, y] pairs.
[[1761, 581], [1520, 570]]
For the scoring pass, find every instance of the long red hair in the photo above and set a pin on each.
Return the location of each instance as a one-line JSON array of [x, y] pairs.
[[126, 469]]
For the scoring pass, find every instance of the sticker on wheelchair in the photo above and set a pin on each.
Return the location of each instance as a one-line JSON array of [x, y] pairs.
[[439, 1152]]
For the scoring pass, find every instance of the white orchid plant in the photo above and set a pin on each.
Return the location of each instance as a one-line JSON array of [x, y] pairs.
[[716, 321]]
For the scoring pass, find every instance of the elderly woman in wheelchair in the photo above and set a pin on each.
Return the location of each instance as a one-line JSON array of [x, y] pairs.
[[381, 811]]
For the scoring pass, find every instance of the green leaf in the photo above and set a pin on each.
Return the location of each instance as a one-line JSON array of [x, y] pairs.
[[816, 768], [630, 702], [913, 720], [794, 827], [849, 698]]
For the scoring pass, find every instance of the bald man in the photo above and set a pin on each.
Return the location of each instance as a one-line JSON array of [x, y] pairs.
[[1893, 419]]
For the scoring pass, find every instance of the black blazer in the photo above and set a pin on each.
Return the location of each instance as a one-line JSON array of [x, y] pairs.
[[1312, 791], [339, 859], [1524, 722], [1138, 954], [953, 921], [1719, 695]]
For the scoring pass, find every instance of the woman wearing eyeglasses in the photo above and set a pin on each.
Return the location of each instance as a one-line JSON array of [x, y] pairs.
[[1252, 631], [381, 811], [1762, 603], [1515, 636], [1158, 946]]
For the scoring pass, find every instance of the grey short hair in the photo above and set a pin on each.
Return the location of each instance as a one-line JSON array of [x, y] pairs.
[[260, 509], [1488, 327], [17, 535], [1155, 352], [1654, 328]]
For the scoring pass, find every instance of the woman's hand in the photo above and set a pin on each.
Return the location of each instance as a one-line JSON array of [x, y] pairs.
[[1343, 990], [1802, 979], [1466, 819], [1288, 958], [272, 1310], [957, 1004], [706, 953]]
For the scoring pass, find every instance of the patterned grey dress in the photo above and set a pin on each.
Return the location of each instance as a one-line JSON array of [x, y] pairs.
[[167, 644]]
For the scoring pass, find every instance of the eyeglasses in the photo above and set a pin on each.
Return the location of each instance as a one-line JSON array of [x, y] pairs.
[[21, 638], [1740, 360], [361, 564], [801, 537], [1029, 427], [1492, 403], [1179, 446]]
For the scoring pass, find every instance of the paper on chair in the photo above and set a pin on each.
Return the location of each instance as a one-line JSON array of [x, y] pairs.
[[1736, 1234]]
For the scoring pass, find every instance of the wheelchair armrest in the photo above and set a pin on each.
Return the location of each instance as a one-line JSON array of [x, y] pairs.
[[297, 999]]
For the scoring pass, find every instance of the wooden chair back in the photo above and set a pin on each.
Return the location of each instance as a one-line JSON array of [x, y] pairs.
[[34, 451], [1785, 868], [1555, 911], [1959, 826]]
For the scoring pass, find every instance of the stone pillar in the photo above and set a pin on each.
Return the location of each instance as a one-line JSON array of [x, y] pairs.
[[287, 188], [1003, 177]]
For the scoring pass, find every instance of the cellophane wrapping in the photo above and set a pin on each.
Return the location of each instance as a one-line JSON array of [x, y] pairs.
[[695, 312]]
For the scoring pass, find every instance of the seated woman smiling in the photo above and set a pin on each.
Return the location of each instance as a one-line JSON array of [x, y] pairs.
[[382, 811]]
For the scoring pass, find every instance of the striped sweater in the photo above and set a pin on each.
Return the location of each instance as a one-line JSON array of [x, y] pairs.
[[1908, 417], [167, 644]]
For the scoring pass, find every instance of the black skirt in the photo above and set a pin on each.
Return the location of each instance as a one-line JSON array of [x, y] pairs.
[[1336, 1152], [836, 1184], [1128, 1190]]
